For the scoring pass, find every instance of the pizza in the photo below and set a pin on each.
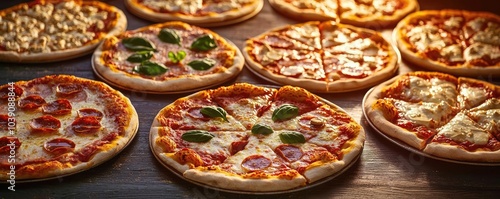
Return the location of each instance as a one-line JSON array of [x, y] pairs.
[[206, 13], [244, 137], [440, 115], [55, 30], [322, 56], [374, 14], [58, 125], [167, 57], [457, 42]]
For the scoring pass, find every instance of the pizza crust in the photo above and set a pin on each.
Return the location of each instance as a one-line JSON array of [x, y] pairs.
[[206, 21], [293, 12], [456, 153], [45, 57]]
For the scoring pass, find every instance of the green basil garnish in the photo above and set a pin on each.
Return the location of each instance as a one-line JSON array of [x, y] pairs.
[[176, 57], [140, 56], [292, 137], [150, 68], [262, 129], [197, 136], [284, 112], [138, 44], [204, 43], [212, 111], [203, 64], [169, 36]]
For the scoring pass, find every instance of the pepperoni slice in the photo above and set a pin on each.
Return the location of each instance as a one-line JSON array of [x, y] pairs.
[[58, 107], [4, 121], [45, 124], [31, 102], [237, 146], [196, 114], [90, 112], [9, 143], [255, 163], [289, 152], [65, 89], [12, 90], [86, 125], [59, 146]]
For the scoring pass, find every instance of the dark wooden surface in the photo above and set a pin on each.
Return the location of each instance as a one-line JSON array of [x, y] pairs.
[[384, 169]]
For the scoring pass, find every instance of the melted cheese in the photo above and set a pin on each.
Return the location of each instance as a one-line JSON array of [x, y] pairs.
[[461, 129], [453, 23], [433, 90], [471, 96], [252, 148], [488, 115], [426, 36], [479, 50], [50, 27], [308, 34], [183, 6], [453, 53], [426, 114]]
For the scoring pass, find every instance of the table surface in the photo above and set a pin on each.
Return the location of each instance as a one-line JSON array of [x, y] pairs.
[[383, 170]]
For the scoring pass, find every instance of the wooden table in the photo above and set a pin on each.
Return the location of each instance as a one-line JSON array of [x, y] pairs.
[[383, 170]]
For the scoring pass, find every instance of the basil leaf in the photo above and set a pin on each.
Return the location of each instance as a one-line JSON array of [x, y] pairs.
[[197, 136], [212, 111], [285, 112], [204, 43], [176, 57], [140, 56], [150, 68], [292, 137], [137, 44], [262, 129], [203, 64], [169, 36]]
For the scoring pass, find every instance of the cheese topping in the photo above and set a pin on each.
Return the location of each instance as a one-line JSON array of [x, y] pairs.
[[194, 7], [461, 129], [471, 96], [426, 114], [51, 27], [426, 36], [435, 90], [453, 53], [479, 50]]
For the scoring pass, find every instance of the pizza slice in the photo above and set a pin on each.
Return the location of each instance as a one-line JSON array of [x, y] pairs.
[[187, 149], [463, 139], [288, 104], [487, 115], [197, 112], [317, 10], [375, 14], [423, 87], [255, 168], [413, 123], [243, 101], [473, 92]]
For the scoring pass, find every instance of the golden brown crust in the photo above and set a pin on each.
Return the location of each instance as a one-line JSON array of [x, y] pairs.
[[116, 26], [104, 66], [90, 151], [467, 68]]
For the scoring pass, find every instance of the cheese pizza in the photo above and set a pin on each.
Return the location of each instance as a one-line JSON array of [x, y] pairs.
[[452, 41], [167, 57], [374, 14], [55, 30], [439, 114], [206, 13], [322, 56], [250, 138], [58, 125]]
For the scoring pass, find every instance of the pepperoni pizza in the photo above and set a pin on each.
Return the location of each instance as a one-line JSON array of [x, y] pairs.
[[439, 114], [452, 41], [249, 138], [58, 125], [54, 30], [322, 56]]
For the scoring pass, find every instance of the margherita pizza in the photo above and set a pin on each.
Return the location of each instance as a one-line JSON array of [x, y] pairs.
[[439, 114], [249, 138], [322, 56], [452, 41], [373, 14], [167, 57], [206, 13], [54, 30], [59, 125]]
